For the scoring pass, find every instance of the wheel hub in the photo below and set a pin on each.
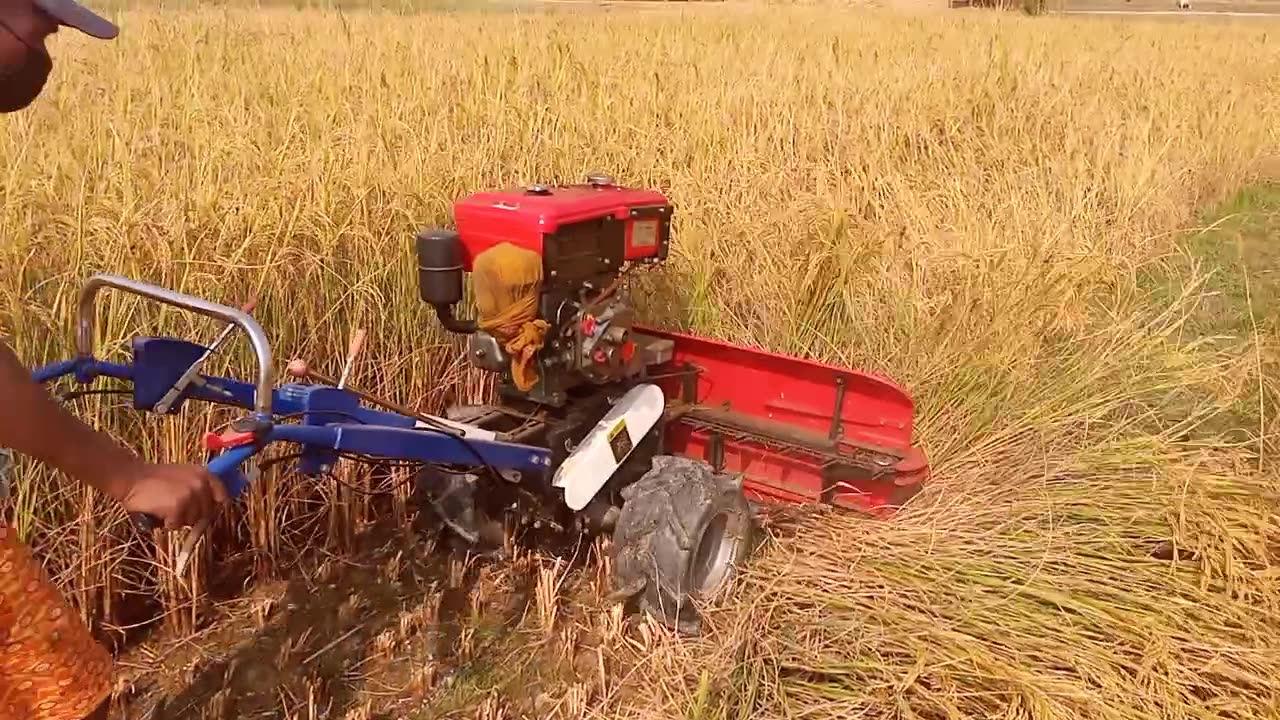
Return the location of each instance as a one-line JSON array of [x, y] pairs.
[[712, 560]]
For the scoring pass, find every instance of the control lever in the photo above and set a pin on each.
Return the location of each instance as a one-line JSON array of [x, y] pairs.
[[357, 344], [192, 373], [220, 466]]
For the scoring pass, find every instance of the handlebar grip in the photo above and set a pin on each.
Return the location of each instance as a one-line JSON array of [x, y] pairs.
[[225, 467]]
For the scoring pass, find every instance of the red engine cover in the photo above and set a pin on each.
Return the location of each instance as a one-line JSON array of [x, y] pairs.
[[525, 216]]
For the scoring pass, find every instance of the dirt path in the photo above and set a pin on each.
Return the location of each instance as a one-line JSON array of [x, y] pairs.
[[1175, 13], [720, 6], [1168, 8], [1131, 8]]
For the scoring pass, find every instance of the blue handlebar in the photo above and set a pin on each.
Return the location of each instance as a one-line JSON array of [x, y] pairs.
[[227, 468], [332, 421]]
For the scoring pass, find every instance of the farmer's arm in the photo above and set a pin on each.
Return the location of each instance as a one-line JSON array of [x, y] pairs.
[[34, 424]]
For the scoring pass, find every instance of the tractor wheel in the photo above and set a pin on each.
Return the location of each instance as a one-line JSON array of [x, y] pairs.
[[682, 534]]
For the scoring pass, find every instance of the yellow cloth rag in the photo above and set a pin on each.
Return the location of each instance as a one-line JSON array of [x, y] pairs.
[[507, 279]]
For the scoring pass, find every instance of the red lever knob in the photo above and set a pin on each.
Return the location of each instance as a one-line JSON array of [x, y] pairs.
[[227, 439]]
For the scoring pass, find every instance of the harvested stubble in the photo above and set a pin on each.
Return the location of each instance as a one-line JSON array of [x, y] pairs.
[[963, 203]]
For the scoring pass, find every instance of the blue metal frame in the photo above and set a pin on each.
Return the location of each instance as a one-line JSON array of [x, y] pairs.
[[330, 420]]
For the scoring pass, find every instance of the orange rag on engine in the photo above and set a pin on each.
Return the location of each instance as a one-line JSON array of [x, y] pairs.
[[507, 279]]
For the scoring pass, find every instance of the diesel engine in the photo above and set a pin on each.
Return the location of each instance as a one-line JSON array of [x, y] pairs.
[[552, 309]]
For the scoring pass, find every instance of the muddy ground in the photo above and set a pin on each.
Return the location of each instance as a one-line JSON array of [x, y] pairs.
[[403, 626]]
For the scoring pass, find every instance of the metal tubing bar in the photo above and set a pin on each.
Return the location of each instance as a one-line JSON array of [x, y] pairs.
[[54, 371], [283, 401], [88, 370], [388, 442], [406, 444], [257, 338]]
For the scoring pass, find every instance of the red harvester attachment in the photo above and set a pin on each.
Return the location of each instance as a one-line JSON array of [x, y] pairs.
[[799, 431]]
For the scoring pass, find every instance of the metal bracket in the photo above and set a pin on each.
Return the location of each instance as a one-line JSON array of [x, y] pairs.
[[715, 449], [689, 384], [836, 425]]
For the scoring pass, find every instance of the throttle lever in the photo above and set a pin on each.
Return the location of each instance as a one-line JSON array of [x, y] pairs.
[[191, 374], [356, 345]]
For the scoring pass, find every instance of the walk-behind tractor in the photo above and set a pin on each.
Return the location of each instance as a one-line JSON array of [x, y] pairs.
[[666, 441]]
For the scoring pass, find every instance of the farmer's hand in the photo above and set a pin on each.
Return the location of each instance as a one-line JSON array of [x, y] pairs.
[[177, 495]]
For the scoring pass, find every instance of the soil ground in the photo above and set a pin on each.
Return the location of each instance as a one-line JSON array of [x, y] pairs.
[[394, 628]]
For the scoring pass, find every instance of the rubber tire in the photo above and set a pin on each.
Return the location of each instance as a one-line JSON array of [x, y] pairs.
[[664, 516]]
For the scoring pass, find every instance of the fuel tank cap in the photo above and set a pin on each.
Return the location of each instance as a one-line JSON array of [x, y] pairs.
[[599, 179]]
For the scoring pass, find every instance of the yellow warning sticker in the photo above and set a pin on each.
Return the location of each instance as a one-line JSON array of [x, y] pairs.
[[620, 441], [622, 425]]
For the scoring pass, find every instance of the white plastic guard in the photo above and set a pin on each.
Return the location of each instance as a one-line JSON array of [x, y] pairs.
[[604, 449]]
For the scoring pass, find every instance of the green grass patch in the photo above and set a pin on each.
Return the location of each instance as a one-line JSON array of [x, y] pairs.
[[1239, 247], [1231, 265]]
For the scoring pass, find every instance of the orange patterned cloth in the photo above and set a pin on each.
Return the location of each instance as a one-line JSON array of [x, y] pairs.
[[51, 668]]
